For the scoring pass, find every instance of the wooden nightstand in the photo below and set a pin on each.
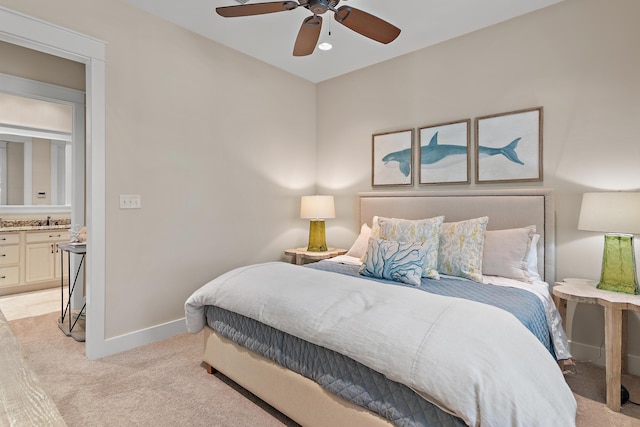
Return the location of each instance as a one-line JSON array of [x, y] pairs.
[[300, 255], [615, 304]]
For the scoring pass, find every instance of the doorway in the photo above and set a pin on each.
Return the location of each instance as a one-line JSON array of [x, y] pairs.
[[25, 31], [42, 163]]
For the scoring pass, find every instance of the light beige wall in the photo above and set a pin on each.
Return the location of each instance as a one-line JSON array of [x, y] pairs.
[[577, 59], [35, 113], [39, 66], [213, 142]]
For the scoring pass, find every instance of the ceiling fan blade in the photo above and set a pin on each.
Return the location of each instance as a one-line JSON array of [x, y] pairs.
[[255, 8], [308, 36], [366, 24]]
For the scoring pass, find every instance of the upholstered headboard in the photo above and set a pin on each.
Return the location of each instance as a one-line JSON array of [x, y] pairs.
[[508, 208]]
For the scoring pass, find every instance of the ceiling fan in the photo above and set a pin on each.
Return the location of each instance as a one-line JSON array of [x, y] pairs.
[[355, 19]]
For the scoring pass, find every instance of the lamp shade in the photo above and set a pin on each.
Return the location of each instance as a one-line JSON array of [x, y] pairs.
[[610, 212], [317, 207]]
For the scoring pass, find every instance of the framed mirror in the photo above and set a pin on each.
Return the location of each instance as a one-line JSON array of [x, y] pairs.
[[35, 167], [41, 146]]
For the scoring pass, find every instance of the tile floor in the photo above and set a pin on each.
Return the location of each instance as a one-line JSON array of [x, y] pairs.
[[31, 304]]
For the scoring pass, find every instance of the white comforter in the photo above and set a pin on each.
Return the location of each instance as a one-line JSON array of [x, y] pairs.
[[475, 361], [539, 288]]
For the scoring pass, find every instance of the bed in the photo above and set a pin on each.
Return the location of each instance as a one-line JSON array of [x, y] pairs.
[[327, 346]]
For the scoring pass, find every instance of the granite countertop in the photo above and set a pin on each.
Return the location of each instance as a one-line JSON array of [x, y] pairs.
[[34, 224], [34, 228]]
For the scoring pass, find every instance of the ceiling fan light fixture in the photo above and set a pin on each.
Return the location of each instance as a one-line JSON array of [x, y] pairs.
[[318, 7], [357, 20]]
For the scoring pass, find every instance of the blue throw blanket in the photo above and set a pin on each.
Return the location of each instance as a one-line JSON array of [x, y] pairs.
[[525, 306], [337, 373]]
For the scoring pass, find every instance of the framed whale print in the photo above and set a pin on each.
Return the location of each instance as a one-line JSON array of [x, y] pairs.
[[392, 158], [444, 153], [508, 147]]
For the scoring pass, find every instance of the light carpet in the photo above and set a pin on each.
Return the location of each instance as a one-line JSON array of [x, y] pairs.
[[160, 384], [164, 384]]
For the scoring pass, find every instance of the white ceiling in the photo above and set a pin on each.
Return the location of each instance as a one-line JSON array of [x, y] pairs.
[[270, 38]]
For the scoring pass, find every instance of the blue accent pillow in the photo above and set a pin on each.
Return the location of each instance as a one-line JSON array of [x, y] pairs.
[[391, 260]]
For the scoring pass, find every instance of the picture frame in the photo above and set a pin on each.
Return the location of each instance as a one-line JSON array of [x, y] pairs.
[[444, 153], [392, 158], [508, 147]]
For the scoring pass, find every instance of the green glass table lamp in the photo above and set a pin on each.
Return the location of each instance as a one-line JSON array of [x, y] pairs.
[[317, 209], [618, 215]]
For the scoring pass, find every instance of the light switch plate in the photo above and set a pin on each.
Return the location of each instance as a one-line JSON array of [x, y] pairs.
[[131, 201]]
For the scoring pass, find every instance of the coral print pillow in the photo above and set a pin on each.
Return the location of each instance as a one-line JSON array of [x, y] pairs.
[[391, 260], [461, 248], [425, 231]]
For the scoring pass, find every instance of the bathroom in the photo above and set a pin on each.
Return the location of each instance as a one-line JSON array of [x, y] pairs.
[[41, 178]]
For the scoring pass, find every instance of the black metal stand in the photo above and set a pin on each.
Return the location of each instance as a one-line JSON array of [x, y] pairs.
[[65, 310]]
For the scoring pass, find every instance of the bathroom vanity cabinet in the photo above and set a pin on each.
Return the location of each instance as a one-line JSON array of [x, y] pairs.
[[30, 259], [42, 256], [9, 259]]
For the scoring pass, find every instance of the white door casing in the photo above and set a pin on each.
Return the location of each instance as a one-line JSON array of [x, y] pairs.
[[32, 33]]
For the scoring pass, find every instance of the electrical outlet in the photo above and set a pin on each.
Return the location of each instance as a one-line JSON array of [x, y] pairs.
[[130, 201]]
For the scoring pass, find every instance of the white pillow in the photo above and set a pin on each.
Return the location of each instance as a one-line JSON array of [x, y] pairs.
[[359, 247], [506, 252], [461, 244], [532, 259], [424, 231]]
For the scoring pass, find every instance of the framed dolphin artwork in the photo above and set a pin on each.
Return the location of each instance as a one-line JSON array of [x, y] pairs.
[[444, 153], [392, 158], [508, 146]]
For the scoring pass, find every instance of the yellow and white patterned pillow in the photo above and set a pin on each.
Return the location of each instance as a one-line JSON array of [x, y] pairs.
[[375, 227], [424, 231], [461, 248]]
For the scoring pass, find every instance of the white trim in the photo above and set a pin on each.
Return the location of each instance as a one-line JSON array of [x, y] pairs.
[[13, 137], [592, 354], [96, 345], [16, 209], [39, 90], [146, 336], [33, 33], [76, 191], [23, 30], [24, 131]]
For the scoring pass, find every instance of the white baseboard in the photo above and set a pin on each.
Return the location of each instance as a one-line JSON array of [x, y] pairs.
[[595, 355], [144, 336]]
